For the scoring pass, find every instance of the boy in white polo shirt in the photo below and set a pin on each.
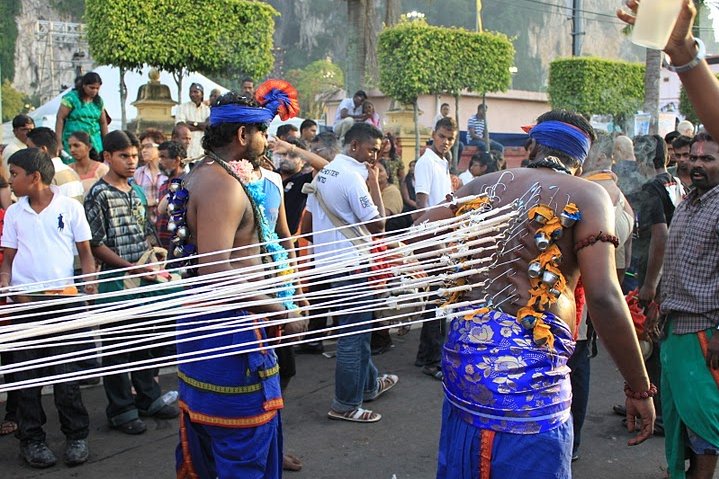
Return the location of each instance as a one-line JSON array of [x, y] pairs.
[[39, 234]]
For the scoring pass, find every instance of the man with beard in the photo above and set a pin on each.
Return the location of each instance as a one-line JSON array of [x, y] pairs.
[[230, 424], [682, 146], [690, 299], [432, 185]]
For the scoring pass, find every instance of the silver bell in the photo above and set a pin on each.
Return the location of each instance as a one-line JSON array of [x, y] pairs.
[[174, 186], [178, 252], [171, 226], [170, 207], [534, 270], [182, 232], [549, 278], [541, 240], [567, 220], [528, 322]]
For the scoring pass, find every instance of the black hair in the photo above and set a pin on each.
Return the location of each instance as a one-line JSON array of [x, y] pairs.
[[487, 159], [671, 136], [248, 79], [83, 137], [282, 130], [571, 118], [390, 176], [32, 160], [173, 148], [21, 120], [217, 136], [360, 93], [443, 104], [44, 137], [392, 146], [328, 140], [446, 122], [362, 132], [89, 78], [119, 140], [703, 135], [307, 124], [681, 141]]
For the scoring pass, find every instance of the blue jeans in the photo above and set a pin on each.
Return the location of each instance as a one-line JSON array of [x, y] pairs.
[[493, 145], [355, 374]]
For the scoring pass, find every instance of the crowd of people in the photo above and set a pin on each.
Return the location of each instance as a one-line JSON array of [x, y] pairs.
[[618, 239]]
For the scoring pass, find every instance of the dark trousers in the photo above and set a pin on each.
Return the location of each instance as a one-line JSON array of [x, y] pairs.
[[654, 370], [122, 406], [11, 403], [319, 321], [74, 419], [431, 339], [580, 366]]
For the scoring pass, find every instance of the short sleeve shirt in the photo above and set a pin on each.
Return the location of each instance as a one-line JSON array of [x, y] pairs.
[[45, 241], [118, 219], [343, 187], [431, 177]]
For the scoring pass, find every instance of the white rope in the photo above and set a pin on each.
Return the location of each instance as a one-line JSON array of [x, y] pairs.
[[215, 292]]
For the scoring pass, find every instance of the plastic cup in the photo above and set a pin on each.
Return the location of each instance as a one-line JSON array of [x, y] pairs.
[[655, 22]]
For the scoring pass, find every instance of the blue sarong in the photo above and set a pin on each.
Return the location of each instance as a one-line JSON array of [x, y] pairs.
[[503, 390], [230, 404]]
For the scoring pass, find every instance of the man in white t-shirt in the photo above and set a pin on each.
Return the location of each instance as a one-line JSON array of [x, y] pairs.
[[21, 125], [432, 184], [347, 192], [194, 114], [349, 111]]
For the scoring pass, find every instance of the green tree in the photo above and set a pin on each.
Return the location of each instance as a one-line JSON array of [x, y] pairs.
[[413, 61], [179, 36], [316, 83], [596, 86], [9, 9], [13, 101]]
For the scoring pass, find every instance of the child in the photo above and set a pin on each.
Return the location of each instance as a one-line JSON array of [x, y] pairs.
[[118, 220], [45, 221]]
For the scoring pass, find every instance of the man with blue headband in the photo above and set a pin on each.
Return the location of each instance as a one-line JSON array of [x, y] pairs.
[[507, 390], [230, 422]]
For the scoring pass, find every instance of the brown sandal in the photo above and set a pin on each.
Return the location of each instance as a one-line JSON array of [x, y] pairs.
[[355, 415], [8, 427]]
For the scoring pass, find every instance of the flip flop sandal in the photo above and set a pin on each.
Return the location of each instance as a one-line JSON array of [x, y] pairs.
[[355, 415], [434, 371], [8, 427], [386, 382]]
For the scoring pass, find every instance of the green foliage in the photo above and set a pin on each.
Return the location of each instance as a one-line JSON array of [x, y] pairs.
[[416, 58], [208, 36], [686, 108], [596, 86], [13, 101], [315, 83], [9, 9]]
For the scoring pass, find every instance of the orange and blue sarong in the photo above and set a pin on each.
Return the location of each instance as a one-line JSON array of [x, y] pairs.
[[507, 402], [230, 424]]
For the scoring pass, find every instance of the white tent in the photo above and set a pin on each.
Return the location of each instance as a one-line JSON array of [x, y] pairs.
[[45, 114]]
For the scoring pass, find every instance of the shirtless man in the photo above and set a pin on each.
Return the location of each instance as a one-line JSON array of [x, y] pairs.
[[229, 435], [491, 358]]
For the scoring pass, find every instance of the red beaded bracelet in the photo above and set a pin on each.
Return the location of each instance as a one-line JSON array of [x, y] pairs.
[[653, 391]]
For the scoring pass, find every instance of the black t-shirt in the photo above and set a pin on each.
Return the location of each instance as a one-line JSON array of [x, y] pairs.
[[648, 211], [295, 200]]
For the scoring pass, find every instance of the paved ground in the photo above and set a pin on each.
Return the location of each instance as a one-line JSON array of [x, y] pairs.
[[402, 445]]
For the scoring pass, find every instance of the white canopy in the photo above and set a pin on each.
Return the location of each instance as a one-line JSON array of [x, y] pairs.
[[110, 92]]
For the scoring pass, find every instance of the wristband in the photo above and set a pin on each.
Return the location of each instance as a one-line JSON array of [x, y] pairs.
[[701, 53], [650, 393]]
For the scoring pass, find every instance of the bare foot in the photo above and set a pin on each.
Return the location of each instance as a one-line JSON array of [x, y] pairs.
[[291, 462]]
